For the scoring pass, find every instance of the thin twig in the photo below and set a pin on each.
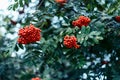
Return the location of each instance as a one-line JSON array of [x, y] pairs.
[[40, 3]]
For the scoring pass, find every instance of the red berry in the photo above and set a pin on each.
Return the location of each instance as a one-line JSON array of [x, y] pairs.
[[29, 34], [104, 62], [117, 19]]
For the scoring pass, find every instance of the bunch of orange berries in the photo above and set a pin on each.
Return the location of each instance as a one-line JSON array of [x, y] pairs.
[[29, 34], [81, 21], [37, 78], [70, 42], [61, 1]]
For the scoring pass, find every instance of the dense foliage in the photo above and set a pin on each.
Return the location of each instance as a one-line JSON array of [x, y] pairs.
[[61, 40]]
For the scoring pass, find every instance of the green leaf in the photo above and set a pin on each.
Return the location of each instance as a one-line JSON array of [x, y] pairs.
[[15, 0], [21, 3], [94, 33], [95, 40], [21, 46], [87, 30], [15, 6], [99, 38], [83, 30], [69, 30], [10, 7], [16, 47]]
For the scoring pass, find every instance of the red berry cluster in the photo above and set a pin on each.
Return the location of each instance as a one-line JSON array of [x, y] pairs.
[[61, 1], [81, 21], [70, 42], [29, 34], [37, 78], [104, 62], [117, 18]]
